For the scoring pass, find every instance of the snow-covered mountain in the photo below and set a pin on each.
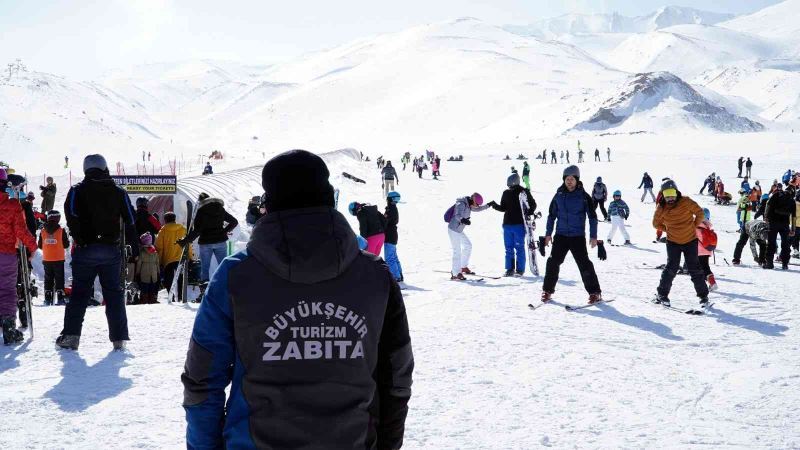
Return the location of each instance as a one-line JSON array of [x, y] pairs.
[[662, 97], [665, 17]]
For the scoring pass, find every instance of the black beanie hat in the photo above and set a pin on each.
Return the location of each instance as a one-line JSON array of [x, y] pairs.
[[296, 179]]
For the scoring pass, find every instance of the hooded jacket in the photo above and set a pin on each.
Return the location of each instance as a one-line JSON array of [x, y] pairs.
[[212, 223], [93, 210], [680, 219], [599, 191], [12, 227], [370, 221], [647, 182], [312, 336], [510, 205], [392, 219], [462, 210], [571, 210], [166, 243]]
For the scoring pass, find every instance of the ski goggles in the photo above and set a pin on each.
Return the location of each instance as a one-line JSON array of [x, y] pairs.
[[670, 192]]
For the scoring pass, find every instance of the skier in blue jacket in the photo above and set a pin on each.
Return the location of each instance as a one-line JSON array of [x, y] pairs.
[[569, 209], [308, 333]]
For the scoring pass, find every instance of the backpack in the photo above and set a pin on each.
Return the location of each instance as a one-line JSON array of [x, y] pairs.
[[708, 239], [448, 215]]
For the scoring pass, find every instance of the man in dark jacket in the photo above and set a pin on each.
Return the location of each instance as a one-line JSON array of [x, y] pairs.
[[146, 222], [95, 210], [30, 217], [570, 208], [309, 332], [599, 197], [514, 224], [211, 224], [48, 195], [779, 214], [647, 183], [389, 176], [739, 164], [390, 245]]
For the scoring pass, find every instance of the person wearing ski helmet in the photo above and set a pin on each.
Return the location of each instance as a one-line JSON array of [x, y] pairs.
[[618, 211], [704, 252], [53, 242], [462, 247], [679, 217], [599, 197], [514, 224], [145, 222], [569, 210], [94, 209], [390, 245], [291, 386], [780, 215], [371, 225], [12, 231]]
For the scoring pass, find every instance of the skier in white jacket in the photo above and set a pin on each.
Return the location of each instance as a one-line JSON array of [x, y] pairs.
[[462, 247]]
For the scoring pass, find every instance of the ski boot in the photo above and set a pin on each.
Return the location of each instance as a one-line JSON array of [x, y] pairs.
[[704, 302], [595, 298], [712, 283], [11, 335], [458, 277], [118, 345], [736, 262], [546, 296], [627, 243], [68, 341], [48, 298], [509, 273], [662, 300], [519, 273], [60, 298], [467, 271], [784, 266]]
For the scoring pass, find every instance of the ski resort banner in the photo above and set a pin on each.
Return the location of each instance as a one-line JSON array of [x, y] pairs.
[[147, 184]]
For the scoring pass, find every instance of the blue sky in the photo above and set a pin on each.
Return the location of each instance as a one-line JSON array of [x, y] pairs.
[[83, 38]]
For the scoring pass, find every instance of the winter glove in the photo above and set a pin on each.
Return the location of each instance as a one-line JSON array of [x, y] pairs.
[[601, 251], [541, 246], [466, 221]]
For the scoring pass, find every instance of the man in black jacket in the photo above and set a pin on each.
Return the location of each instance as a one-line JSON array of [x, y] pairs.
[[514, 224], [145, 222], [390, 245], [211, 224], [309, 332], [779, 214], [95, 210]]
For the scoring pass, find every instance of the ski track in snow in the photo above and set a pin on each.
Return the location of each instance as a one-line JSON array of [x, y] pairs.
[[490, 373]]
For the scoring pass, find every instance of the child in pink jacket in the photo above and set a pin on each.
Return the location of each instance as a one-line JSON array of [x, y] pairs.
[[704, 253]]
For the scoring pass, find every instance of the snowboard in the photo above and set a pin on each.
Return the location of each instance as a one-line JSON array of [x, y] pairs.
[[351, 177], [530, 228]]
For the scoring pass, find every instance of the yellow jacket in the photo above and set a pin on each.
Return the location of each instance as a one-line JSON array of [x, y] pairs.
[[679, 220], [797, 214], [168, 250]]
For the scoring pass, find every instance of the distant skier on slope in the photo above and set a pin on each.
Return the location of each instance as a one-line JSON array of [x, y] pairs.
[[514, 224], [553, 157], [267, 324], [647, 183], [599, 197], [618, 211], [526, 175], [596, 154], [12, 231], [568, 212], [679, 217], [459, 217], [389, 176]]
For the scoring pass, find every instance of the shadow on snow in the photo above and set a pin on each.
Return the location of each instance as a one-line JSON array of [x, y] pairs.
[[83, 386], [606, 311]]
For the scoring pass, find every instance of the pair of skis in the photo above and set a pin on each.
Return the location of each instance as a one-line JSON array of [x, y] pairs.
[[570, 307], [26, 286], [182, 271]]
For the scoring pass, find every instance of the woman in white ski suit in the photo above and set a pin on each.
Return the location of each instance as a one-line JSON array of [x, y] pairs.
[[462, 247]]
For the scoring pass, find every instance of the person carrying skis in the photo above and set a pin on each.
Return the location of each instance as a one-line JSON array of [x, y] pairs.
[[389, 176], [599, 196], [779, 214], [757, 232], [459, 217], [514, 224], [526, 175], [96, 209], [48, 193], [618, 211], [371, 225], [12, 230], [147, 270], [169, 251], [647, 183], [570, 208], [53, 242], [211, 224], [301, 279], [739, 164], [390, 245], [706, 249], [679, 217]]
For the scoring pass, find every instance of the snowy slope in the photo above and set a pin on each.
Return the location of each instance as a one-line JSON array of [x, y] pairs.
[[664, 96], [489, 372], [688, 50], [772, 21]]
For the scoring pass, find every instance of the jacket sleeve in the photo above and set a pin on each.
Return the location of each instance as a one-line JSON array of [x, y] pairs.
[[641, 184], [39, 242], [459, 211], [154, 223], [592, 214], [209, 364], [503, 206], [71, 215], [127, 209], [551, 217], [232, 222], [65, 238], [394, 372]]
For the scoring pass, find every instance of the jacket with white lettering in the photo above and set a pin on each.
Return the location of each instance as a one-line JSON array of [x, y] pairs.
[[312, 337]]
